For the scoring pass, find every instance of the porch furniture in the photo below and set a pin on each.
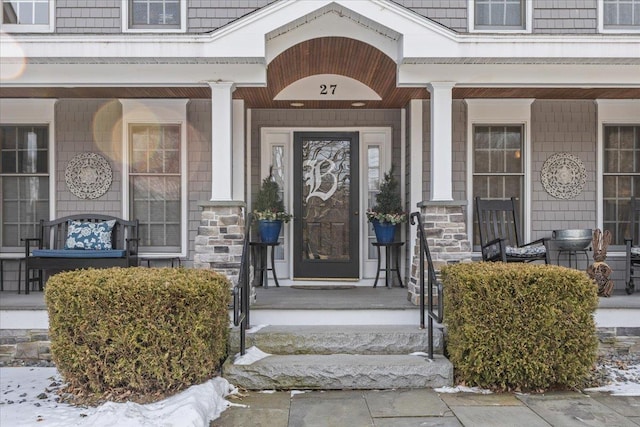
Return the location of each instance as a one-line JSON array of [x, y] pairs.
[[174, 260], [572, 243], [391, 251], [259, 252], [499, 228], [632, 243], [80, 241]]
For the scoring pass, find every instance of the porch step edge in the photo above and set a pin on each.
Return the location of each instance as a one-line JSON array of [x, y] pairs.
[[343, 339], [340, 372]]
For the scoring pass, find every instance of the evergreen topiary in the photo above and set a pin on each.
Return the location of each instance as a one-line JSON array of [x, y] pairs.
[[268, 204], [388, 207]]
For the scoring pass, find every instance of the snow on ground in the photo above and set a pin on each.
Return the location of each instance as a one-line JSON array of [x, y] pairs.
[[252, 354], [624, 382], [28, 398]]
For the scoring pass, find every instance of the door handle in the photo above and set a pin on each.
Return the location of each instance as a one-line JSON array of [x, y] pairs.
[[356, 213]]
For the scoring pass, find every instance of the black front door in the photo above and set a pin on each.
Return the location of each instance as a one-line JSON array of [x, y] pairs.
[[326, 237]]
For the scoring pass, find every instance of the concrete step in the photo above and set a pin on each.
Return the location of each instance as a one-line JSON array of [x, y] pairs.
[[340, 372], [341, 339]]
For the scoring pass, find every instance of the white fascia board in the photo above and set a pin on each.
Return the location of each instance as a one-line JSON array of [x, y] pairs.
[[138, 74], [470, 75]]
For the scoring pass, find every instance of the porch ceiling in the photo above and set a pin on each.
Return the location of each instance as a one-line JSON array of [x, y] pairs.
[[258, 98], [326, 55]]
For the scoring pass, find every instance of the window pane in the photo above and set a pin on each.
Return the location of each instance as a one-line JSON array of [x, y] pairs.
[[622, 177], [25, 13], [513, 15], [156, 185], [41, 13]]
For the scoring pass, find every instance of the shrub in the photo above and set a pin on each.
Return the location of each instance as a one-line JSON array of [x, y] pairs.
[[519, 326], [137, 330]]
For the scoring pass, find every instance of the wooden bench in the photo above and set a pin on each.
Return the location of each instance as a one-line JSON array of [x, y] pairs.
[[56, 252]]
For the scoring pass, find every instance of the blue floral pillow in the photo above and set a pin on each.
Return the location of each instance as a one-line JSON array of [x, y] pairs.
[[89, 235]]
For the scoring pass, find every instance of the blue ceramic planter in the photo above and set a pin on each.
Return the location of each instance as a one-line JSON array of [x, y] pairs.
[[385, 231], [269, 230]]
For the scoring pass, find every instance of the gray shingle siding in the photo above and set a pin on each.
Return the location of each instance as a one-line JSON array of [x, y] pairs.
[[88, 125], [450, 13], [565, 16], [88, 16], [207, 15], [105, 16]]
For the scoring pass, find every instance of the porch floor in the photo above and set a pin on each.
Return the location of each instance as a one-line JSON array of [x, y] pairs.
[[288, 298]]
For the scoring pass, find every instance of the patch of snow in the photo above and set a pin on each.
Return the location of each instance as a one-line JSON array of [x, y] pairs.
[[255, 329], [267, 391], [624, 382], [419, 353], [29, 399], [253, 354], [294, 392], [462, 389]]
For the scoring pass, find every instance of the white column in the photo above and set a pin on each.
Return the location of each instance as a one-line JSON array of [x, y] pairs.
[[238, 150], [441, 134], [221, 141], [416, 143]]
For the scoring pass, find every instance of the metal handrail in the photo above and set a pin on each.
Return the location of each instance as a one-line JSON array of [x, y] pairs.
[[431, 281], [242, 288]]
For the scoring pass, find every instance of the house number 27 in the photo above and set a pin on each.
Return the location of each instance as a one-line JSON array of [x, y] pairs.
[[328, 89]]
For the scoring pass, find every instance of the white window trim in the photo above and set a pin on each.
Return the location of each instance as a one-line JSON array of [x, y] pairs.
[[159, 111], [615, 112], [30, 28], [528, 20], [35, 111], [503, 112], [603, 30], [125, 21]]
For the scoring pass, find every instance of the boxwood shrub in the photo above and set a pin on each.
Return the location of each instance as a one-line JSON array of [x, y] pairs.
[[519, 326], [137, 331]]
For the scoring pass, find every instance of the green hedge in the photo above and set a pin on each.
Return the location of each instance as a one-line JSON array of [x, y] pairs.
[[519, 326], [137, 330]]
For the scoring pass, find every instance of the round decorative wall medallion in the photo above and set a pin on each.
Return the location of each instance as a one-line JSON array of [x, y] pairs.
[[563, 176], [88, 175]]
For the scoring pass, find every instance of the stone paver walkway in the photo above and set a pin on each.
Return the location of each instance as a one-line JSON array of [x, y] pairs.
[[425, 407]]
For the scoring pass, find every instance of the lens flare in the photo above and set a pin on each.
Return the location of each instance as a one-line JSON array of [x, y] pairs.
[[12, 59]]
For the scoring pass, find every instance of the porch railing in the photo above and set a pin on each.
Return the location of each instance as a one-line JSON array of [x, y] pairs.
[[432, 281], [242, 288]]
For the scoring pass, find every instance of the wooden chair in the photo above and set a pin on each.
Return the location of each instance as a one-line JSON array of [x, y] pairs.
[[632, 243], [499, 227]]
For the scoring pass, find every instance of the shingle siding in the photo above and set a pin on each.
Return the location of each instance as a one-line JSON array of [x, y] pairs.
[[88, 17], [203, 16], [565, 16], [88, 125], [206, 15], [450, 13]]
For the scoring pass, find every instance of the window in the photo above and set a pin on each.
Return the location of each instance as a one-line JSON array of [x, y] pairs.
[[621, 176], [500, 15], [24, 180], [498, 167], [620, 15], [155, 15], [27, 15], [155, 185]]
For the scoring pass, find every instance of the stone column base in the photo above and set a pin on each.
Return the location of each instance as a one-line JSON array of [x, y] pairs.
[[446, 232]]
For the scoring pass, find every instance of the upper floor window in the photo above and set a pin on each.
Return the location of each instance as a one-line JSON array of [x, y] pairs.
[[20, 16], [500, 15], [155, 15], [620, 15]]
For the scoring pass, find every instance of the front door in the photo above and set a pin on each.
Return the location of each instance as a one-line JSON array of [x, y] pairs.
[[325, 185]]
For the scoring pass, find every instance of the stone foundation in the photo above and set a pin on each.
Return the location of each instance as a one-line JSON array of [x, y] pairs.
[[24, 344], [619, 340], [218, 244], [446, 232]]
